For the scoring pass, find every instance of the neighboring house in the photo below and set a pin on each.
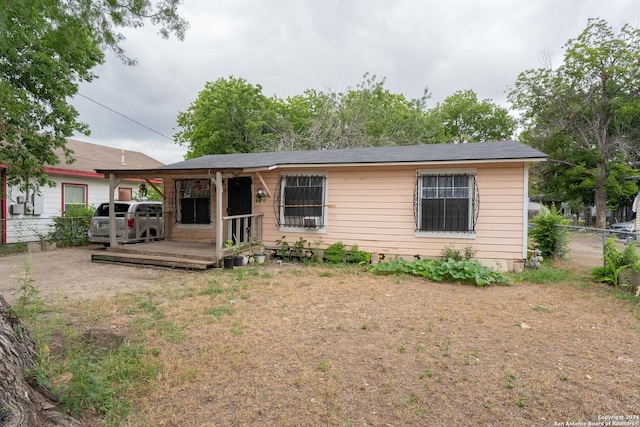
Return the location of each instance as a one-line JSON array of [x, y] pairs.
[[26, 217], [393, 201]]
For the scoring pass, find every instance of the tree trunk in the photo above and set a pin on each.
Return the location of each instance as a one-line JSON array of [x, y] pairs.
[[23, 403], [600, 197]]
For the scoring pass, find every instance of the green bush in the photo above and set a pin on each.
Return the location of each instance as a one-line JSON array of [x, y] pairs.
[[450, 270], [548, 235], [449, 252], [71, 229], [13, 248], [357, 256], [335, 253]]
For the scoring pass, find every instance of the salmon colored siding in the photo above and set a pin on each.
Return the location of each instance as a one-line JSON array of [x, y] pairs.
[[374, 208]]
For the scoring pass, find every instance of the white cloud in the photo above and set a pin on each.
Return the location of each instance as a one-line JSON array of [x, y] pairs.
[[288, 46]]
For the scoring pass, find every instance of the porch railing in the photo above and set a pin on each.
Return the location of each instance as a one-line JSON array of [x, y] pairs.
[[148, 226], [242, 229]]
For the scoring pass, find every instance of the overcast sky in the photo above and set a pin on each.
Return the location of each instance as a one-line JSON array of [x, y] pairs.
[[288, 46]]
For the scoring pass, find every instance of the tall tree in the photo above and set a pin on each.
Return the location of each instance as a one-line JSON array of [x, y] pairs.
[[465, 119], [229, 115], [47, 48], [232, 115], [591, 103], [371, 115]]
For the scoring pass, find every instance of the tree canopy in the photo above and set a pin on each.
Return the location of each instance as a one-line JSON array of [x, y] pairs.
[[47, 48], [465, 119], [228, 116], [584, 114], [231, 115]]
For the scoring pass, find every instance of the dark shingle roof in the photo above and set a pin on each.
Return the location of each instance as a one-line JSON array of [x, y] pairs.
[[429, 153]]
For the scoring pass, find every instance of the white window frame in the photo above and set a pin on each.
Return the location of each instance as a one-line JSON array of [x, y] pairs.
[[325, 192], [420, 174], [65, 186]]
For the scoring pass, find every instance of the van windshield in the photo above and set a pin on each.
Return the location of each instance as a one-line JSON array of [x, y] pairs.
[[103, 209]]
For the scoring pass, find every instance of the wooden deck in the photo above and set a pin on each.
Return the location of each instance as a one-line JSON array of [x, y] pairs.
[[165, 253]]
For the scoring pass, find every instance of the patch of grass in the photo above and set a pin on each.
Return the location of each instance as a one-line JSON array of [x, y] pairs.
[[521, 402], [324, 366], [212, 290], [542, 308], [511, 377], [237, 329], [543, 275], [93, 378], [12, 249], [171, 330], [626, 296], [151, 307], [187, 375], [427, 373], [220, 311]]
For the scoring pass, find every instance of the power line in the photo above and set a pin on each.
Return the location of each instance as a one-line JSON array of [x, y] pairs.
[[127, 117]]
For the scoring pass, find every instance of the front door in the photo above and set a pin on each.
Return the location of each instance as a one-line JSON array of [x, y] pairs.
[[239, 202]]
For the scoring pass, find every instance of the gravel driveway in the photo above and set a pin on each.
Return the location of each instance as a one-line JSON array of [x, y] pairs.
[[69, 273]]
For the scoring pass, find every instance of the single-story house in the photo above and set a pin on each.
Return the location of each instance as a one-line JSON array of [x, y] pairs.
[[26, 217], [404, 201]]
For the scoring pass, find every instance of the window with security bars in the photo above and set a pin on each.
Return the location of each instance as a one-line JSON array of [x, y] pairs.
[[302, 201], [193, 200], [446, 203]]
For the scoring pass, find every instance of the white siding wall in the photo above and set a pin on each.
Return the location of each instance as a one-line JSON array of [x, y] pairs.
[[26, 228]]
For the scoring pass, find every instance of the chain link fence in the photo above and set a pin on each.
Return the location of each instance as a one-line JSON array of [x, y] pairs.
[[25, 230], [591, 242]]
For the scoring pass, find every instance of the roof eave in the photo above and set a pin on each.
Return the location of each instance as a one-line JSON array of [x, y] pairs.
[[144, 173]]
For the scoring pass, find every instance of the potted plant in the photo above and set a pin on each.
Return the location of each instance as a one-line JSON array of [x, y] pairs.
[[228, 258], [261, 195], [245, 249], [237, 259], [261, 256]]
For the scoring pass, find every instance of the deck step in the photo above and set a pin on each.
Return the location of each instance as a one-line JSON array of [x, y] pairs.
[[155, 260]]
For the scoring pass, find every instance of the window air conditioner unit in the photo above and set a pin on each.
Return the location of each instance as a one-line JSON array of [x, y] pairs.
[[312, 221]]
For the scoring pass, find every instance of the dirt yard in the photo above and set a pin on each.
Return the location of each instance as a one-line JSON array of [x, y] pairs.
[[298, 345], [69, 273]]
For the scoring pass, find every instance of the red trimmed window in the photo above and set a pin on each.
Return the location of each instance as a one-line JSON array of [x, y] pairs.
[[73, 194]]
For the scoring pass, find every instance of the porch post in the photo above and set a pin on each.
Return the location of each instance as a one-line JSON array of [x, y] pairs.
[[112, 214], [219, 224]]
